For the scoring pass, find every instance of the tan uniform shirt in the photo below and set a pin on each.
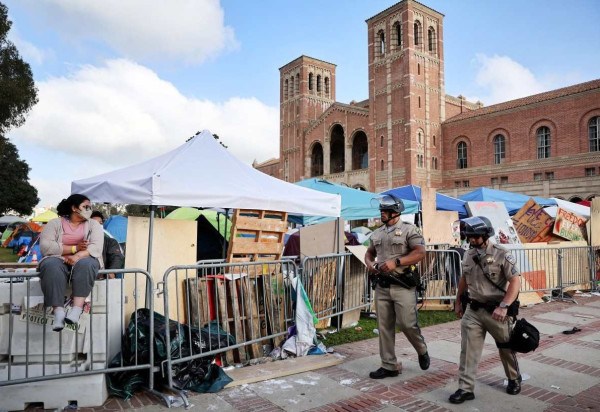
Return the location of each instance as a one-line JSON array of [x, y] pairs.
[[395, 241], [501, 267]]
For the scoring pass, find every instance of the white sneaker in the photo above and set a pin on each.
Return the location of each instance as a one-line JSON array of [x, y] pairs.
[[59, 321], [73, 315]]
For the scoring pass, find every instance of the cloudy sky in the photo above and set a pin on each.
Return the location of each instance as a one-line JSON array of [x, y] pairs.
[[121, 81]]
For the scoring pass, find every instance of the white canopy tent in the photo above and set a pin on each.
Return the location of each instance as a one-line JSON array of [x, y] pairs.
[[581, 210], [202, 173]]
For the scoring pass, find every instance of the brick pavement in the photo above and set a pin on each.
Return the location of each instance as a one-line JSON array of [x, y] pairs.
[[564, 374]]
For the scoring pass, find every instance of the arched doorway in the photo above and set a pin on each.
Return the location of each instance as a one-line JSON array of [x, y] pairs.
[[316, 160], [360, 151], [336, 157]]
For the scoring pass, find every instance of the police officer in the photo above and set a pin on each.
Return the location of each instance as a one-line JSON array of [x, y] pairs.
[[394, 247], [492, 280]]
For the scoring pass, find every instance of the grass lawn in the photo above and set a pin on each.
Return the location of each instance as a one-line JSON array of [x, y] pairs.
[[364, 329], [6, 255]]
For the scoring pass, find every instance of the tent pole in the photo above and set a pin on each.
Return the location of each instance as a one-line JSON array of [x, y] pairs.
[[223, 251], [149, 260]]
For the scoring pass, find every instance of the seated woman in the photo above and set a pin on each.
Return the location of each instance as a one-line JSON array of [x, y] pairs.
[[72, 249]]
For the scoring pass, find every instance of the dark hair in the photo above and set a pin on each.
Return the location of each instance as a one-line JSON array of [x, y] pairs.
[[64, 207], [97, 213]]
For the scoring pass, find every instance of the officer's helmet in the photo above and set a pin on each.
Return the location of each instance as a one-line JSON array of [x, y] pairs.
[[478, 226], [388, 202]]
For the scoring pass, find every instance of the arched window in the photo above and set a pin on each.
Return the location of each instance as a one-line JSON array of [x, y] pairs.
[[319, 87], [398, 34], [433, 140], [381, 42], [499, 149], [291, 87], [381, 142], [418, 68], [316, 160], [297, 85], [285, 89], [337, 150], [419, 102], [543, 142], [418, 32], [327, 86], [431, 41], [594, 134], [420, 160], [360, 151], [310, 81], [382, 166], [461, 155], [420, 137]]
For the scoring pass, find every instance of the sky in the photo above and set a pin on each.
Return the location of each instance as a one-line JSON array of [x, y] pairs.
[[121, 81]]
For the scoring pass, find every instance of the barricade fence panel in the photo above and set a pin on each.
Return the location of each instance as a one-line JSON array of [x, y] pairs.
[[440, 271], [30, 351], [238, 311]]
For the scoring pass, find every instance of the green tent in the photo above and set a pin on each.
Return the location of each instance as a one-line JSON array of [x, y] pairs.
[[217, 220], [5, 235]]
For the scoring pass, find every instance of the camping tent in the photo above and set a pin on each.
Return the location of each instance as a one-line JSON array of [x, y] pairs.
[[356, 204], [203, 173], [443, 202], [8, 219], [45, 217], [216, 219], [116, 225], [512, 201]]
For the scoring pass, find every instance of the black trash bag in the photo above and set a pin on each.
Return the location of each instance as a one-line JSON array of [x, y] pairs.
[[199, 375]]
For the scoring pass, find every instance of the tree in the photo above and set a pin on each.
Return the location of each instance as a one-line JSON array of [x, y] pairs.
[[16, 193], [18, 95]]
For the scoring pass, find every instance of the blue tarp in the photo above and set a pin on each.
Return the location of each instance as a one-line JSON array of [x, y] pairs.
[[513, 201], [356, 204], [443, 202], [117, 226]]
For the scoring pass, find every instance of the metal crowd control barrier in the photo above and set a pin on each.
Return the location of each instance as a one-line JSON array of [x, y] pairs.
[[336, 284], [440, 271], [249, 301], [30, 351]]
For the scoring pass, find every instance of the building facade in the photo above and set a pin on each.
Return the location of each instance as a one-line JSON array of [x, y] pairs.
[[409, 131]]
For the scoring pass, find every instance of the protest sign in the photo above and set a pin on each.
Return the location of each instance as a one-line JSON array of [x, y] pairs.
[[569, 225]]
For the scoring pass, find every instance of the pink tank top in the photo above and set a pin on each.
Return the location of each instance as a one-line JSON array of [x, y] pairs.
[[72, 237]]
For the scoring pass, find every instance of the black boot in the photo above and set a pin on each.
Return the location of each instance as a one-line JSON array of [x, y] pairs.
[[514, 386], [424, 361]]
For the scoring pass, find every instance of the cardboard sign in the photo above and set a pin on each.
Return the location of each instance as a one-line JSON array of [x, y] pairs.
[[569, 225], [505, 232], [533, 224]]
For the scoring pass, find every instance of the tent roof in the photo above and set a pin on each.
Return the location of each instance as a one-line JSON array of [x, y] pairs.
[[581, 210], [443, 202], [513, 201], [8, 219], [45, 217], [202, 173], [356, 204]]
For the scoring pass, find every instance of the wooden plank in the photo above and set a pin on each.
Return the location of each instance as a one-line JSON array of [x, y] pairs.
[[275, 305], [223, 316], [289, 366], [240, 332], [270, 225], [253, 330]]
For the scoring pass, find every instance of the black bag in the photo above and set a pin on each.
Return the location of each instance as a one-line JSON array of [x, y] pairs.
[[524, 337]]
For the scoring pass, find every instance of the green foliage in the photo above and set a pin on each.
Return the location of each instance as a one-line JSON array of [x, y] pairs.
[[16, 193], [7, 255], [366, 325], [144, 211], [18, 93]]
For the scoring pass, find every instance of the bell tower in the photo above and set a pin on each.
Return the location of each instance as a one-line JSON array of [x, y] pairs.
[[307, 89], [406, 95]]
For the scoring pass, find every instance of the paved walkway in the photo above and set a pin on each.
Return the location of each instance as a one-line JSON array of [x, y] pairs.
[[563, 374]]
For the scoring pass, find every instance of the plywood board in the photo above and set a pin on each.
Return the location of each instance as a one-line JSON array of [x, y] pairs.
[[278, 369], [321, 239], [437, 225], [595, 222], [505, 232], [174, 243]]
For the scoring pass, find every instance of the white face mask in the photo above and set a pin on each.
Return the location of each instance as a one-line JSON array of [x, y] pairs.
[[86, 214]]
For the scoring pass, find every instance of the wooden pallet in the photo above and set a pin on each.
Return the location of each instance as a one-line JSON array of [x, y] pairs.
[[256, 235]]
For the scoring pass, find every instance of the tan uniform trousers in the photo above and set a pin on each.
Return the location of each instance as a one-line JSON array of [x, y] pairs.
[[473, 326], [396, 306]]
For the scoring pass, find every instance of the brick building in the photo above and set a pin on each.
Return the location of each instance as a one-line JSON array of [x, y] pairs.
[[410, 131]]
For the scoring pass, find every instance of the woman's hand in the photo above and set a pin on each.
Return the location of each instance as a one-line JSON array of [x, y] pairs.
[[72, 259], [83, 245]]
